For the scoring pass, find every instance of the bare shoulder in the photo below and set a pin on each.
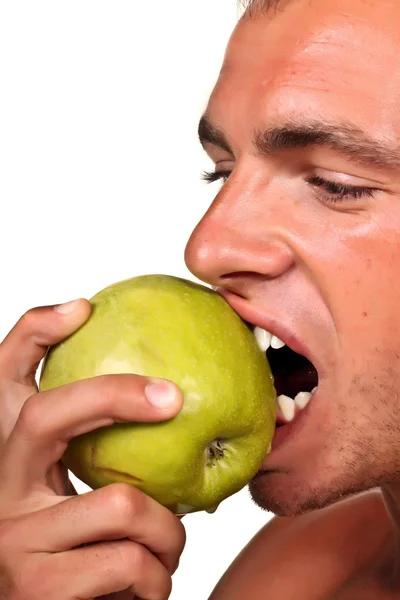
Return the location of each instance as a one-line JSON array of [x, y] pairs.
[[285, 556]]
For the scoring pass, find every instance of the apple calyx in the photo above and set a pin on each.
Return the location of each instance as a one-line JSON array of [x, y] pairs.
[[215, 451]]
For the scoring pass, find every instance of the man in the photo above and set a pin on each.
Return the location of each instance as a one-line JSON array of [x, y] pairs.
[[303, 241]]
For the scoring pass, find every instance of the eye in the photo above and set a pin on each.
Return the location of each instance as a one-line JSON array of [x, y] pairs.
[[211, 176], [331, 192]]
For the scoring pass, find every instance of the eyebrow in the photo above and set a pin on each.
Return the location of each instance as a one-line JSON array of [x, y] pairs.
[[344, 138]]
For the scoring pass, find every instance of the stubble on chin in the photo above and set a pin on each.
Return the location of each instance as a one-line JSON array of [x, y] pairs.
[[285, 501], [271, 491], [364, 462]]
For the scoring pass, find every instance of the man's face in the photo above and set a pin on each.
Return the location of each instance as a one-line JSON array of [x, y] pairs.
[[304, 236]]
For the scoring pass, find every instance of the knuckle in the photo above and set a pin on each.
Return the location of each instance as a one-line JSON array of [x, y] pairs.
[[136, 566], [108, 390], [29, 319], [126, 502], [177, 536], [172, 562], [112, 390], [132, 558], [30, 420], [181, 538], [167, 589]]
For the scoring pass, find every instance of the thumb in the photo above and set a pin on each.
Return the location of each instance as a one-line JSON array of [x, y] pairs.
[[27, 343]]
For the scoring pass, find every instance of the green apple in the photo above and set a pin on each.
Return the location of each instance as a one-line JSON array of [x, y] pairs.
[[164, 326]]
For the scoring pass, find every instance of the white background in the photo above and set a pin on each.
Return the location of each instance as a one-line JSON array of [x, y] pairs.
[[100, 174]]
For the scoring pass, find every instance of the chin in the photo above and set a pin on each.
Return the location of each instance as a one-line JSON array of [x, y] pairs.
[[286, 496], [276, 492]]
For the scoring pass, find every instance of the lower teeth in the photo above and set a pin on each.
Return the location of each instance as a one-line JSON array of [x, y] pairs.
[[287, 406], [302, 399]]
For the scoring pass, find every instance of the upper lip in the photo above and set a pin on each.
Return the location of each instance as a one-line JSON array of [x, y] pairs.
[[276, 327]]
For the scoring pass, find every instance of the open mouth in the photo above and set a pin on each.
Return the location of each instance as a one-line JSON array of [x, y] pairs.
[[295, 377]]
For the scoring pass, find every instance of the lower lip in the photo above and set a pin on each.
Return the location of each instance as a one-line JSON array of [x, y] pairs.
[[287, 432]]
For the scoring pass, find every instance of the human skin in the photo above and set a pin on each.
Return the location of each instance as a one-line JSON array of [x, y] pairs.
[[54, 544], [285, 254]]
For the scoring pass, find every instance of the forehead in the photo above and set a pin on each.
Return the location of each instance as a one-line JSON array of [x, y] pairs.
[[317, 58]]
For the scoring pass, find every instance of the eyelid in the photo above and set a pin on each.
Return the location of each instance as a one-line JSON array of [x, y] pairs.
[[331, 192], [224, 165], [218, 154], [342, 178]]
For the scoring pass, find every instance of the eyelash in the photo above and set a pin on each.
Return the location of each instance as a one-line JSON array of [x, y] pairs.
[[338, 191], [211, 176]]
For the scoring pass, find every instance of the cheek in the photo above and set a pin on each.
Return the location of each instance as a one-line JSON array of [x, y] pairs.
[[379, 382], [370, 294], [358, 269]]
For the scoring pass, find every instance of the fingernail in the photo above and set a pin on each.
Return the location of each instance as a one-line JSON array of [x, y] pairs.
[[160, 393], [66, 308]]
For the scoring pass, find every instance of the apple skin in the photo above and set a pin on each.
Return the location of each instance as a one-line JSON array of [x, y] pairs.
[[164, 326]]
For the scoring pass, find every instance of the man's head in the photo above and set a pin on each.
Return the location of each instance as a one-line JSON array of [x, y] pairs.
[[304, 236]]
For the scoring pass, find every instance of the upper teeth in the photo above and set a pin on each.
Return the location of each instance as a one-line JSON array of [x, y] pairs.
[[265, 339], [276, 343]]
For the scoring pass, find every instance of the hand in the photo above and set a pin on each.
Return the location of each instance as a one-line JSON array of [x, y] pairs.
[[55, 545]]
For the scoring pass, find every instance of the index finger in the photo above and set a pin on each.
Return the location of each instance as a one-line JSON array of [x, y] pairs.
[[49, 420], [26, 344]]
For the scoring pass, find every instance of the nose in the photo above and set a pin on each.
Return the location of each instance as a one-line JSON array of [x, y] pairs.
[[239, 239]]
